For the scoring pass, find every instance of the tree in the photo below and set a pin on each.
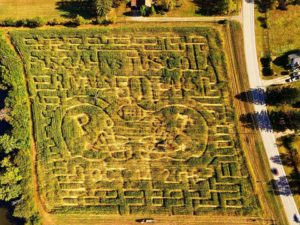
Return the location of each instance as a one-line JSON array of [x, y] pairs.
[[143, 10], [4, 73], [166, 5], [117, 3], [282, 95], [79, 20], [152, 10], [214, 7], [8, 144], [102, 7], [9, 180]]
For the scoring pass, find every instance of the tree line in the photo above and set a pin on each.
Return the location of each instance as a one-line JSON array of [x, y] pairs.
[[265, 5], [206, 7], [15, 153]]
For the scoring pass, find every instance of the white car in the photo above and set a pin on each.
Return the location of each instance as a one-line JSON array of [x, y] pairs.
[[297, 218], [294, 78]]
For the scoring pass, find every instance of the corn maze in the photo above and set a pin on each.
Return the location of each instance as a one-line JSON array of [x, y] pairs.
[[134, 122]]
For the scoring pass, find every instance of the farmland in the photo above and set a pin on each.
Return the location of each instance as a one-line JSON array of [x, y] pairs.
[[21, 9], [134, 121]]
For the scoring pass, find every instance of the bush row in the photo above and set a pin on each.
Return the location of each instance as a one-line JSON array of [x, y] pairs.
[[39, 22]]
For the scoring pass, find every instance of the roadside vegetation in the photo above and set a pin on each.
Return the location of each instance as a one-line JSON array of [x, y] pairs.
[[286, 107], [277, 29], [283, 116]]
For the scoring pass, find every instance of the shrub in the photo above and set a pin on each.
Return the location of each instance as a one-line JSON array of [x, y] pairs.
[[54, 22], [36, 22], [79, 20], [9, 23]]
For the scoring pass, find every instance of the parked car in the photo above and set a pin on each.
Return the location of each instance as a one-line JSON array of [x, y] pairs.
[[288, 80], [145, 220], [294, 78], [297, 218], [275, 171]]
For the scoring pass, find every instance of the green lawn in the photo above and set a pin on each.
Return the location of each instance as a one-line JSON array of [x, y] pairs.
[[284, 29], [20, 9]]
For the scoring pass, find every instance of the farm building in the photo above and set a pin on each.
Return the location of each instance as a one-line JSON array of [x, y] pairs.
[[139, 3]]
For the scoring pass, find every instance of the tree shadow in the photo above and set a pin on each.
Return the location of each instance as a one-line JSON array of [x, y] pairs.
[[276, 159], [253, 95], [5, 127], [72, 8], [289, 185], [3, 95], [280, 186], [263, 22], [9, 214], [274, 95], [278, 121], [257, 120]]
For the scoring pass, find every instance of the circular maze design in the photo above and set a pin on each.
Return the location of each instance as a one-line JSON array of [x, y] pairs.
[[87, 127], [181, 134]]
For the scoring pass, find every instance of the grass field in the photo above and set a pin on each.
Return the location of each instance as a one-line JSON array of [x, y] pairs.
[[134, 121], [21, 9], [283, 29], [289, 169]]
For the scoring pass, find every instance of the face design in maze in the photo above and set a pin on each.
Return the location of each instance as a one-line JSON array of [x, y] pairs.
[[87, 127], [181, 133]]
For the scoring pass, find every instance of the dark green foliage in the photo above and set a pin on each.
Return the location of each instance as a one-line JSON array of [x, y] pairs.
[[282, 95], [143, 10], [78, 20], [102, 7], [166, 5], [35, 22], [9, 180], [8, 144], [16, 171], [117, 3], [215, 7]]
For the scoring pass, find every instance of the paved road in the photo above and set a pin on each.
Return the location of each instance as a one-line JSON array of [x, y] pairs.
[[268, 138], [278, 80], [175, 19]]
